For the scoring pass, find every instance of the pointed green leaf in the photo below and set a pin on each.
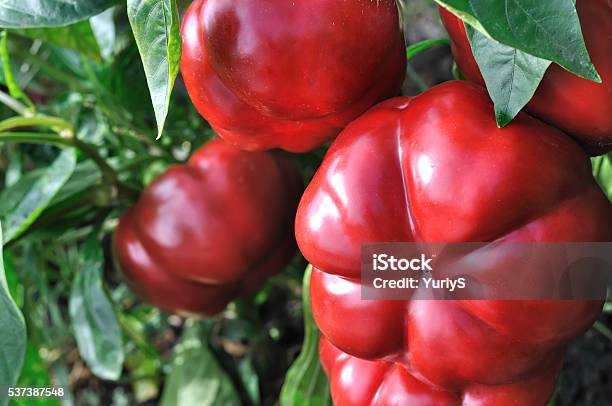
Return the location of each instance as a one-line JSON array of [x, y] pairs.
[[512, 76], [602, 170], [20, 206], [93, 318], [547, 29], [155, 25], [196, 377]]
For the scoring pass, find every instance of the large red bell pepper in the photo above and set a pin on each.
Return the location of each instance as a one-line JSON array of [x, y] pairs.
[[436, 168], [211, 230], [290, 74]]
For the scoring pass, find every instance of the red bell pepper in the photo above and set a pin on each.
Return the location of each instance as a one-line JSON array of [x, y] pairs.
[[290, 74], [205, 232], [436, 168]]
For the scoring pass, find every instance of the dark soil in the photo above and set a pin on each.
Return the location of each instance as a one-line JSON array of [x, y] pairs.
[[586, 379]]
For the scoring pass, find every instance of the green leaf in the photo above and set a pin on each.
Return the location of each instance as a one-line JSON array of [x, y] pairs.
[[603, 329], [14, 171], [155, 25], [13, 87], [415, 49], [12, 279], [456, 72], [93, 318], [103, 26], [306, 383], [512, 76], [602, 170], [79, 37], [143, 364], [250, 380], [49, 13], [13, 337], [86, 175], [62, 378], [10, 196], [35, 374], [23, 202], [196, 377], [548, 29]]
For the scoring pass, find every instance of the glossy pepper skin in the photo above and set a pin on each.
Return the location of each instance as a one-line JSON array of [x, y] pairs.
[[435, 168], [358, 382], [211, 230], [289, 74], [577, 106]]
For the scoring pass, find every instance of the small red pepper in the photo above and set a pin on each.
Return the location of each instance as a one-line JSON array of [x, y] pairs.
[[211, 230]]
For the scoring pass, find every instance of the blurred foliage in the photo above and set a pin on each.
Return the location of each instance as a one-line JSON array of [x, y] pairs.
[[306, 383]]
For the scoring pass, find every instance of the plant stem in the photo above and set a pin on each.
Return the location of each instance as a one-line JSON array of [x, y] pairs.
[[38, 120], [137, 337], [65, 137], [12, 103], [603, 329], [108, 173], [35, 138]]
